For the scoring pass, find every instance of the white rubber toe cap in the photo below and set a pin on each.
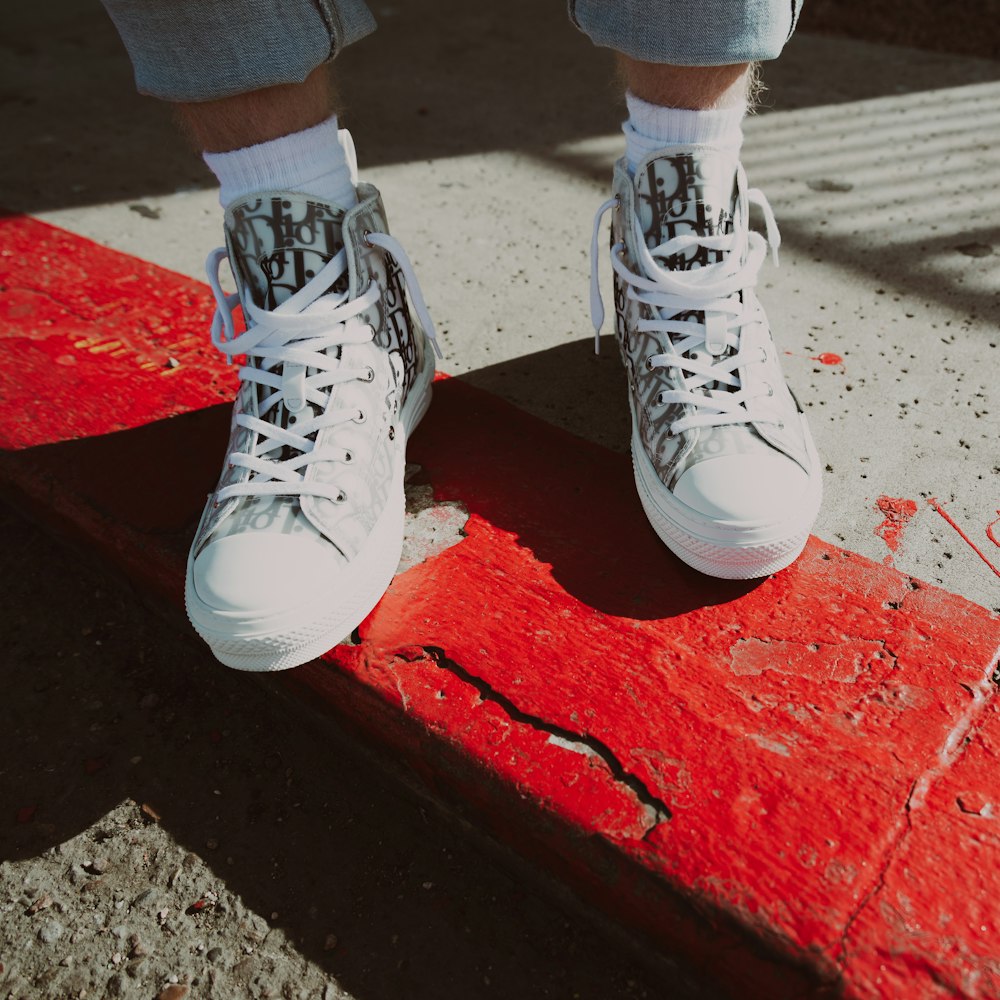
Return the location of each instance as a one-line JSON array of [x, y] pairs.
[[261, 573], [763, 488]]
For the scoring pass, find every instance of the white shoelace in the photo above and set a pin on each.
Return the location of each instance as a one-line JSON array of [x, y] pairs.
[[300, 334], [713, 290]]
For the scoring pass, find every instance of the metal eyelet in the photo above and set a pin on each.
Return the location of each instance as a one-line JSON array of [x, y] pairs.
[[770, 388], [360, 418], [649, 363], [392, 433], [781, 426], [292, 418], [370, 375], [367, 242], [341, 497], [618, 202], [348, 458]]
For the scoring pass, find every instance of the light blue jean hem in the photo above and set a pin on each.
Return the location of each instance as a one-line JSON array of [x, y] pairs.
[[689, 32], [203, 50]]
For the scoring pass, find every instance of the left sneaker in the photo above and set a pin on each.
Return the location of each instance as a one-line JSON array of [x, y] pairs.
[[724, 463], [304, 532]]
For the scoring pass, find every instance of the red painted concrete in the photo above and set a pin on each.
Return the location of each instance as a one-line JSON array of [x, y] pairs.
[[763, 777]]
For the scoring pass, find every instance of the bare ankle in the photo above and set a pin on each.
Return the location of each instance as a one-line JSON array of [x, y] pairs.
[[258, 116], [696, 88]]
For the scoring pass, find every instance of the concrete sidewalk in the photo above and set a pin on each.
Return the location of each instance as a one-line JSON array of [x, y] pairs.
[[656, 742]]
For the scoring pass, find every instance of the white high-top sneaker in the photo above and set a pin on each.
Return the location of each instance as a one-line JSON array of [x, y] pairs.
[[305, 529], [724, 463]]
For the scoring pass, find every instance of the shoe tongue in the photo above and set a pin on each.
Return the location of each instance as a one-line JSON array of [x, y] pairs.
[[279, 241], [687, 191]]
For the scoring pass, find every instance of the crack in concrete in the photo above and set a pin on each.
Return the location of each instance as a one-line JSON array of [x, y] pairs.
[[657, 811], [879, 883], [951, 750]]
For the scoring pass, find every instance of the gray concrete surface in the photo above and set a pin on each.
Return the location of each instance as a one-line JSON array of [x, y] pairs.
[[882, 164]]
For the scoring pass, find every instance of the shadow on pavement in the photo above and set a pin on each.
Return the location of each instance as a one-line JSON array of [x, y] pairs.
[[104, 704], [440, 78]]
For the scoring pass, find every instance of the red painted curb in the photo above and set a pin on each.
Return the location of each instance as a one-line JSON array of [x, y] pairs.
[[789, 782]]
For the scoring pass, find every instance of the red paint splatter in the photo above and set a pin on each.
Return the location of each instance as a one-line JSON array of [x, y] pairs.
[[965, 538], [898, 513], [824, 359], [989, 531]]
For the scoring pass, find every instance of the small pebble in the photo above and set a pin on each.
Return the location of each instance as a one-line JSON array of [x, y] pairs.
[[172, 992], [99, 866], [50, 932], [42, 903], [150, 813], [144, 897]]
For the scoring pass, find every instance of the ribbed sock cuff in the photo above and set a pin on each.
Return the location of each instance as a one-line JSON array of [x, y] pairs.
[[651, 127], [311, 161]]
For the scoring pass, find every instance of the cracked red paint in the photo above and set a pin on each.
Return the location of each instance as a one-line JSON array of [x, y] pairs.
[[897, 512], [786, 724]]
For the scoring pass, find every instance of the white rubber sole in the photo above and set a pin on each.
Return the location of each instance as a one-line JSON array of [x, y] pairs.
[[293, 636], [728, 550]]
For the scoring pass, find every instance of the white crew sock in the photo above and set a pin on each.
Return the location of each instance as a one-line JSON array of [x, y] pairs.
[[311, 161], [651, 127]]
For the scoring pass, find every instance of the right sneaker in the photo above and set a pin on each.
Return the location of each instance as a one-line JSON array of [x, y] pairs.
[[304, 531], [724, 463]]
